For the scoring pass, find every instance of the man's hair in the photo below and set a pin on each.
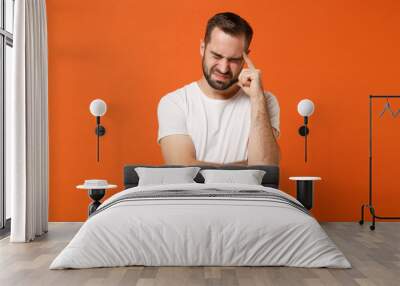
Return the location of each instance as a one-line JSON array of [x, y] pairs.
[[232, 24]]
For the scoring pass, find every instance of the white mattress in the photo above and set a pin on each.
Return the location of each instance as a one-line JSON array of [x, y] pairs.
[[200, 231]]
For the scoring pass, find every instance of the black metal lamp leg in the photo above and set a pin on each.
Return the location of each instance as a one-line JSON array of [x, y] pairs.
[[361, 222], [372, 227]]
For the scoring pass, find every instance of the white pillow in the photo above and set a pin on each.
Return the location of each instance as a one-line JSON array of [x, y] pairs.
[[249, 177], [162, 176]]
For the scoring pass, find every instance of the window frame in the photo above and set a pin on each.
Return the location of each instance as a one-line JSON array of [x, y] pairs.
[[6, 39]]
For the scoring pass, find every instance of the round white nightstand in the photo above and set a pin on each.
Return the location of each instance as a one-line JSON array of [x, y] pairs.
[[305, 193], [96, 192]]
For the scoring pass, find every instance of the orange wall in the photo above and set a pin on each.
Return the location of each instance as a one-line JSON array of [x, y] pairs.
[[130, 53]]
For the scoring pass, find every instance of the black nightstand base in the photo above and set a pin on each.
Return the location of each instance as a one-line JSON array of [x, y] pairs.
[[96, 195], [305, 194]]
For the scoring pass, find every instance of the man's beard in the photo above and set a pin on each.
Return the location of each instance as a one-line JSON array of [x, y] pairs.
[[217, 84]]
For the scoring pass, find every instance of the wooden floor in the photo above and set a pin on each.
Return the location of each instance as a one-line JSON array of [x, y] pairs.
[[375, 256]]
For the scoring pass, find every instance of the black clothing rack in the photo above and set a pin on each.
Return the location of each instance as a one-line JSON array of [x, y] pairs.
[[370, 205]]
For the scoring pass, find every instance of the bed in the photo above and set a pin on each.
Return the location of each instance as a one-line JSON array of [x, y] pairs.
[[201, 224]]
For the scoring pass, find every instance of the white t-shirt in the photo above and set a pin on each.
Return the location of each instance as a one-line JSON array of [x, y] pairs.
[[219, 128]]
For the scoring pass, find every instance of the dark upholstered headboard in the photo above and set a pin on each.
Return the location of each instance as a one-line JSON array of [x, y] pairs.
[[270, 179]]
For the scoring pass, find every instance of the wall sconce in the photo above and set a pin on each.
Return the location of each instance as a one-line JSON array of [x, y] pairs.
[[98, 108], [305, 108]]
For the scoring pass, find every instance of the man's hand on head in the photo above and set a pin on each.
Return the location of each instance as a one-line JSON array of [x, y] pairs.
[[250, 79]]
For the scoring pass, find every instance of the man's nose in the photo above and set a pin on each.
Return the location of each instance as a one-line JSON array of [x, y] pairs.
[[223, 66]]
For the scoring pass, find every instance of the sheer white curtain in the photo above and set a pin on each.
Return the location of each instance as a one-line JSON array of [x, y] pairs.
[[27, 124]]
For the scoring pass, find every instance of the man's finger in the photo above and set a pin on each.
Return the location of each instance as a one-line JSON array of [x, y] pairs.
[[248, 61], [242, 85]]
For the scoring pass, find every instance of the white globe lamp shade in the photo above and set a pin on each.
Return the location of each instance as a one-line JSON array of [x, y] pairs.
[[305, 107], [98, 107]]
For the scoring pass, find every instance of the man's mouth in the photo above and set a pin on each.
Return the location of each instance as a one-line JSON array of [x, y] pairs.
[[220, 76]]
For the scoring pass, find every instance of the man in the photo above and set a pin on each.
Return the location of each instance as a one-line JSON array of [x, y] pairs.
[[225, 117]]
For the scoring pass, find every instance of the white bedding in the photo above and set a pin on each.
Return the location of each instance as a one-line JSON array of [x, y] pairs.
[[200, 231]]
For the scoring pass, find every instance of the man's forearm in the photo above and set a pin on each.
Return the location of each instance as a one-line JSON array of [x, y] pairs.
[[262, 147]]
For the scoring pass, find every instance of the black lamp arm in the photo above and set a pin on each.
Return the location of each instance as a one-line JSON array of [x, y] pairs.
[[303, 131], [100, 131]]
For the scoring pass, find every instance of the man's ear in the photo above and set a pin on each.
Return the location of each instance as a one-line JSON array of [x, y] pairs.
[[202, 48]]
